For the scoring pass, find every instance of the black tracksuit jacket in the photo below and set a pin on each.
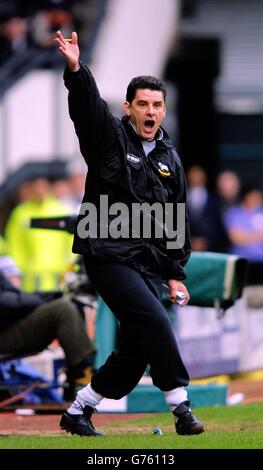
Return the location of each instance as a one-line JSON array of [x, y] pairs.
[[109, 146]]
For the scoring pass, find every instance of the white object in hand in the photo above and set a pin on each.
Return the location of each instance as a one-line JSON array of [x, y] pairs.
[[180, 297]]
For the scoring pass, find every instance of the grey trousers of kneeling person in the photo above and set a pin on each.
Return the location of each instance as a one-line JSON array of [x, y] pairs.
[[58, 319]]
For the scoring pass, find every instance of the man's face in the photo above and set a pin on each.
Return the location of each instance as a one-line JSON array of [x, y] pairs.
[[146, 111]]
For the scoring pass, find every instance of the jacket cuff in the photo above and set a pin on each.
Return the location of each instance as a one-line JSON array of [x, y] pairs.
[[175, 271], [70, 74]]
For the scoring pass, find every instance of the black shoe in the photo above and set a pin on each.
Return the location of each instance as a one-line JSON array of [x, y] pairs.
[[79, 424], [186, 422]]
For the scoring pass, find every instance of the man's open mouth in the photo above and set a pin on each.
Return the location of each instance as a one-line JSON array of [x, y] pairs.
[[149, 123]]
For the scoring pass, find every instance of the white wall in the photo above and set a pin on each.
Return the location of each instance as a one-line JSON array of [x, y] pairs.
[[134, 41], [34, 121]]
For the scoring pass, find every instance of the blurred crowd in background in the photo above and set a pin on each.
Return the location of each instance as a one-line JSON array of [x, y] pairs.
[[228, 219], [27, 24], [41, 256]]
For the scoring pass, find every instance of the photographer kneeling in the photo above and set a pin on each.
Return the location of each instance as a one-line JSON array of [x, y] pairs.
[[30, 322]]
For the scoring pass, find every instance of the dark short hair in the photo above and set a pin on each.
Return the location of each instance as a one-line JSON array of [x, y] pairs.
[[142, 82], [249, 188]]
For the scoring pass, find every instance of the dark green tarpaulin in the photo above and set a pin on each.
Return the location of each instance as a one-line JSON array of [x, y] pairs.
[[215, 279]]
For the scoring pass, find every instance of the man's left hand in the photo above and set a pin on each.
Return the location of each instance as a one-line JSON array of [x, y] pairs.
[[175, 286]]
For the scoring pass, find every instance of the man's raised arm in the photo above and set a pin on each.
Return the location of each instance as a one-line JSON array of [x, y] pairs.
[[94, 124]]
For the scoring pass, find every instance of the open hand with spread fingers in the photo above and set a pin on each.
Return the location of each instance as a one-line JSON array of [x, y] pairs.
[[69, 49]]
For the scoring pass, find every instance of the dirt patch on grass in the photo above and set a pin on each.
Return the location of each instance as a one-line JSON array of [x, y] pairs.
[[11, 423], [138, 429], [252, 390], [236, 427]]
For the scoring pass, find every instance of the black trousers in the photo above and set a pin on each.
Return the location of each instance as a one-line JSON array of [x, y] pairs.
[[146, 336]]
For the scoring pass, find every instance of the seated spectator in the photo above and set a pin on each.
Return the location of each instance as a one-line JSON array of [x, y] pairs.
[[244, 223], [71, 189], [228, 187], [29, 322], [54, 16], [207, 230], [14, 37]]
